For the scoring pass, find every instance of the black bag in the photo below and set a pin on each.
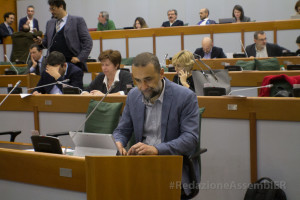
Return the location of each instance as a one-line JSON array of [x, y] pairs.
[[264, 189]]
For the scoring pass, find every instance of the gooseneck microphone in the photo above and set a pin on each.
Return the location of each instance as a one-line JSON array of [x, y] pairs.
[[12, 64], [54, 83], [110, 89], [16, 85], [244, 48], [251, 88], [71, 86]]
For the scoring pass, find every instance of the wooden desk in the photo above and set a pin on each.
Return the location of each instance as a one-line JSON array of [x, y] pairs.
[[3, 67], [27, 80], [110, 177]]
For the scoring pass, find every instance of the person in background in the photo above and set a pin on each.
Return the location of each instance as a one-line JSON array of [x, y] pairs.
[[110, 63], [5, 27], [204, 13], [58, 70], [238, 14], [37, 62], [32, 22], [297, 8], [173, 21], [104, 22], [208, 50], [183, 62], [262, 49], [139, 23], [298, 43], [67, 34]]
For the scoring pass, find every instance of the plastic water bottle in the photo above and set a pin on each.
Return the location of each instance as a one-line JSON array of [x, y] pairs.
[[282, 68]]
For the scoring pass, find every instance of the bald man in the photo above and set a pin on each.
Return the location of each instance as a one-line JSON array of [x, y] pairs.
[[208, 51], [204, 13]]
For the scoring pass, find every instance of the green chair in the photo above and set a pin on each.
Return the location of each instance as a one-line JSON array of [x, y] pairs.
[[189, 160], [104, 120]]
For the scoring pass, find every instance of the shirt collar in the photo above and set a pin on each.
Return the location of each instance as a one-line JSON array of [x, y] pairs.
[[66, 70], [116, 78]]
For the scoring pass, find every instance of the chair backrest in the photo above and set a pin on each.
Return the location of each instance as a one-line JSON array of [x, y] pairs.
[[105, 118]]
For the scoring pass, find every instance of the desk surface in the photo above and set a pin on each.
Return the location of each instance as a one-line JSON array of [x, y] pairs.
[[15, 145]]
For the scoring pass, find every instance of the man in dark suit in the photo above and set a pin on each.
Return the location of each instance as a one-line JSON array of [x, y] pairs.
[[208, 51], [67, 34], [5, 27], [37, 62], [204, 13], [58, 70], [261, 48], [32, 22], [173, 21], [163, 115]]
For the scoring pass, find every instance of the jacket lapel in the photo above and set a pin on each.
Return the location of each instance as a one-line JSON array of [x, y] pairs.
[[166, 107], [140, 110]]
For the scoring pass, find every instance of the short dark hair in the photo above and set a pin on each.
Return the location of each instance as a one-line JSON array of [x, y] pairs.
[[239, 8], [30, 6], [297, 5], [57, 3], [298, 40], [38, 47], [6, 15], [258, 33], [56, 58], [143, 59], [113, 55]]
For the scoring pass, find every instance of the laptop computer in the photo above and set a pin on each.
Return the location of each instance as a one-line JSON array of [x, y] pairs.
[[46, 144], [225, 20], [93, 144]]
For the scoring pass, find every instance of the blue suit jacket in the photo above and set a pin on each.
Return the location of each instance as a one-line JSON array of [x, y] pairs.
[[24, 20], [179, 125], [77, 37], [4, 31], [74, 73]]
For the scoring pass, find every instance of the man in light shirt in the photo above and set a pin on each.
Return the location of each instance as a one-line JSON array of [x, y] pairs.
[[262, 49], [204, 13], [32, 22]]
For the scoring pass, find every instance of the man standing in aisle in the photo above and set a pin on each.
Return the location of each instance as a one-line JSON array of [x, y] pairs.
[[32, 22], [67, 34]]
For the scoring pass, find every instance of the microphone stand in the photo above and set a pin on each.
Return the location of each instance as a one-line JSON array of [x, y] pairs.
[[57, 82], [266, 86], [12, 65], [17, 84]]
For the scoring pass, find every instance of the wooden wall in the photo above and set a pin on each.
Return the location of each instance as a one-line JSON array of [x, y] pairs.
[[8, 6]]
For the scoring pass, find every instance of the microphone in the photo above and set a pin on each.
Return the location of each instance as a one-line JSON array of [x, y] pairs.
[[110, 89], [11, 64], [266, 86], [16, 85], [244, 49], [70, 86], [57, 82], [208, 67]]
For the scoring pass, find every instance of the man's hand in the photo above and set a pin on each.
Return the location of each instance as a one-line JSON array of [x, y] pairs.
[[53, 71], [142, 149], [75, 60], [121, 149], [36, 93], [34, 63], [96, 93], [38, 40]]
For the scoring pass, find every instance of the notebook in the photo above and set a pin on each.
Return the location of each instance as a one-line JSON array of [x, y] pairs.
[[225, 20], [93, 144]]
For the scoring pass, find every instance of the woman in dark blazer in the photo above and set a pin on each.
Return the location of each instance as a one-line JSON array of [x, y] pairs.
[[111, 73], [238, 14]]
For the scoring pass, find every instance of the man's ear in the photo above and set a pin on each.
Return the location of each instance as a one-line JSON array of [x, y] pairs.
[[162, 71]]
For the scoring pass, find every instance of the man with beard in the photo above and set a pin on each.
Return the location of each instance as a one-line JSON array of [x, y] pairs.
[[163, 116], [173, 21], [204, 13], [5, 27]]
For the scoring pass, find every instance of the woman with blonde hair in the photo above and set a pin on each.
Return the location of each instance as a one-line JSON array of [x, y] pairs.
[[183, 62]]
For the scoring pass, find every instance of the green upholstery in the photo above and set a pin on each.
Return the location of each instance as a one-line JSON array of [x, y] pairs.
[[105, 118], [246, 65], [127, 61], [270, 64], [21, 70]]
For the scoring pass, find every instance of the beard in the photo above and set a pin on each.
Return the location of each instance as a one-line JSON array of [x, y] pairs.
[[151, 92]]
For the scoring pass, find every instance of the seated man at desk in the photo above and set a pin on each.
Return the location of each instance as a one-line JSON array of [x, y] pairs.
[[163, 116], [37, 62], [261, 48], [56, 72], [209, 51], [173, 21]]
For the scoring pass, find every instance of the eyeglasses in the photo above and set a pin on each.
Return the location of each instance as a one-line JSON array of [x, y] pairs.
[[52, 8], [262, 39]]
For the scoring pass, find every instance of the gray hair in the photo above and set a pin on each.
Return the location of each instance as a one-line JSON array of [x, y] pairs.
[[175, 11], [105, 15]]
